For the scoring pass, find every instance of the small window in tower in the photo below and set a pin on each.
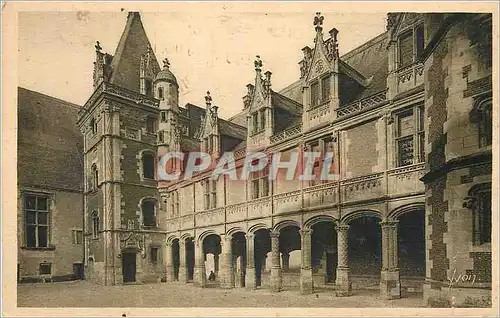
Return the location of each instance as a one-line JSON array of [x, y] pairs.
[[163, 116], [148, 166], [160, 92], [154, 254], [151, 125], [93, 126]]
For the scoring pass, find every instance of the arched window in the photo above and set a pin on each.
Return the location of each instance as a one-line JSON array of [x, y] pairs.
[[95, 224], [160, 92], [482, 115], [148, 165], [148, 212], [95, 177]]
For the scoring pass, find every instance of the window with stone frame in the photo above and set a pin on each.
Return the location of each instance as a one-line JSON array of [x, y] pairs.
[[148, 87], [154, 254], [262, 119], [481, 213], [45, 269], [315, 97], [93, 126], [77, 236], [160, 92], [410, 136], [322, 146], [150, 125], [410, 45], [148, 207], [325, 88], [259, 181], [210, 194], [36, 220], [94, 178], [173, 199], [163, 115], [95, 224], [483, 116], [255, 122], [148, 165]]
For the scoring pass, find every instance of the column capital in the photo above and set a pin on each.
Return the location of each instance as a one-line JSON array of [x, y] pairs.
[[249, 236], [388, 223], [274, 234], [342, 227], [306, 231]]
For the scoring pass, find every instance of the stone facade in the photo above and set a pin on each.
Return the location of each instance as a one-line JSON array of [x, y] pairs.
[[407, 210]]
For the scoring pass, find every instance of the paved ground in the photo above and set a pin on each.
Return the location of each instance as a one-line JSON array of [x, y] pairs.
[[85, 294]]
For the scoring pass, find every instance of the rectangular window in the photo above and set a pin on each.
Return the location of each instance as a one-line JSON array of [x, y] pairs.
[[163, 116], [36, 220], [264, 181], [161, 139], [314, 94], [45, 269], [213, 194], [406, 49], [263, 120], [154, 254], [255, 122], [405, 131], [77, 237], [325, 89], [206, 194], [151, 125], [148, 88], [420, 40], [421, 134], [255, 185], [482, 217]]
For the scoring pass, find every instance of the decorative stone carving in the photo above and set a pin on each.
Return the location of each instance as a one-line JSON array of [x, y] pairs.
[[469, 202]]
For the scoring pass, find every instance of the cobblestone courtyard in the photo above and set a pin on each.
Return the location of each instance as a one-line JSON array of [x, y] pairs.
[[85, 294]]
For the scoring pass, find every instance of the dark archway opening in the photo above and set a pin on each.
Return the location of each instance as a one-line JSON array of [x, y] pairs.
[[239, 244], [365, 246], [190, 259], [411, 243], [175, 258], [324, 250], [262, 246]]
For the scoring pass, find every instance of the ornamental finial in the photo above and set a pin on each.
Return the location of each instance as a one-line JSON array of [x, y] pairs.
[[318, 22], [208, 99], [257, 63], [98, 47], [166, 63]]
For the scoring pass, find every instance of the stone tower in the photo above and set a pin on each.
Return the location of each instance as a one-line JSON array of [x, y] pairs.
[[123, 223]]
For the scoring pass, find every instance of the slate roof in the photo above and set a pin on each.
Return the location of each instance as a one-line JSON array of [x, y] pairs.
[[50, 146], [127, 59]]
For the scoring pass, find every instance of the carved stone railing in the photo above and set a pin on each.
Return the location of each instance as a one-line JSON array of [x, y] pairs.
[[121, 92], [210, 217], [236, 212], [406, 179], [259, 207], [258, 138], [287, 133], [409, 77], [286, 202], [365, 103], [321, 194], [319, 111], [240, 153], [362, 188]]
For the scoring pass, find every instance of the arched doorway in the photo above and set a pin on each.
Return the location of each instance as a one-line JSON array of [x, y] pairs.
[[175, 258], [238, 242], [262, 246], [324, 250], [289, 241], [212, 250], [365, 251], [190, 259]]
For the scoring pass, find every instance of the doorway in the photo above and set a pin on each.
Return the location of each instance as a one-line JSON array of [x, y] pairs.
[[78, 270], [129, 267]]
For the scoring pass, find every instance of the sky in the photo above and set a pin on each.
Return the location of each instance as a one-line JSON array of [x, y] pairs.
[[207, 50]]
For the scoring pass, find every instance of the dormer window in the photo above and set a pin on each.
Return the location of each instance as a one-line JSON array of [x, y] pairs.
[[410, 46], [262, 120], [325, 88], [314, 94], [148, 87]]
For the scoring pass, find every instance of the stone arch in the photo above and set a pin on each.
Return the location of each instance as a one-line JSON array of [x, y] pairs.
[[279, 226], [259, 226], [206, 233], [234, 230], [397, 212], [357, 214], [319, 218], [171, 239], [186, 236]]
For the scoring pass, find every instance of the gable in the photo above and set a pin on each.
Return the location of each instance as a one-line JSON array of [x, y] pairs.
[[319, 64]]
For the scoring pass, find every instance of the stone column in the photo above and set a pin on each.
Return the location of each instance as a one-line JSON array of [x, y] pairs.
[[306, 275], [343, 282], [390, 284], [275, 257], [216, 265], [200, 276], [250, 277], [227, 275], [182, 262], [168, 263], [285, 259]]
